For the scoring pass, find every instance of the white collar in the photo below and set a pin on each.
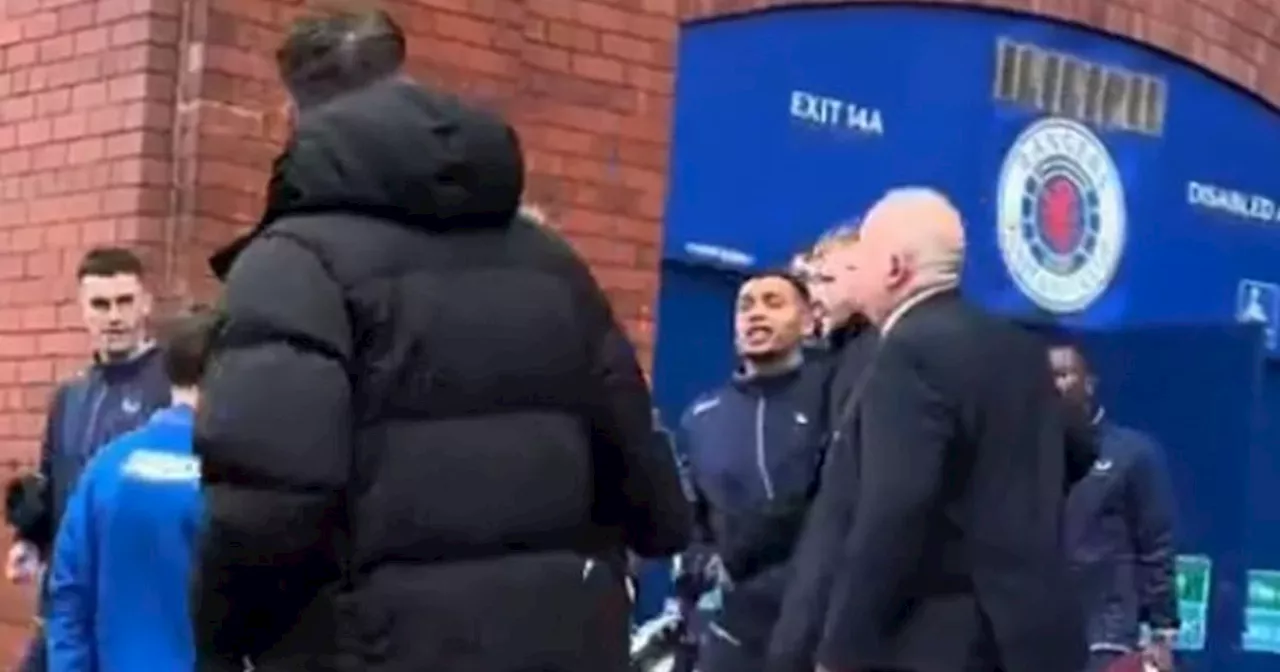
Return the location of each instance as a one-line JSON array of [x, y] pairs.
[[912, 301]]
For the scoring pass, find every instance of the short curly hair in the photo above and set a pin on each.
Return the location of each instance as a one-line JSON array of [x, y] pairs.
[[337, 49]]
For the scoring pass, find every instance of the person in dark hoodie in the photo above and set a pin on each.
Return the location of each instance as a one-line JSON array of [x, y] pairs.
[[116, 394], [752, 450], [426, 442], [1120, 529]]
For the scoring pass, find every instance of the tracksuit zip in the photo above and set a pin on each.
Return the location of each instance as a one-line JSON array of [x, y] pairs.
[[91, 427], [762, 461]]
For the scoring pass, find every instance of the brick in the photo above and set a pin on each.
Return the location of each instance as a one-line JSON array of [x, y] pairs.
[[21, 54], [56, 48], [75, 17], [89, 95], [637, 50], [92, 41], [40, 26], [571, 35], [598, 68]]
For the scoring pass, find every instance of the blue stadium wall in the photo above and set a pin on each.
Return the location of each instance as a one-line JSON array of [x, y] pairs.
[[790, 121]]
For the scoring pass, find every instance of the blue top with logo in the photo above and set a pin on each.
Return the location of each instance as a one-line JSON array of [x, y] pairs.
[[1101, 180], [105, 401]]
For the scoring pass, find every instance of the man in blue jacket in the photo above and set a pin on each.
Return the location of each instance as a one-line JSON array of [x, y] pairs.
[[121, 565], [1119, 530], [116, 394], [752, 450]]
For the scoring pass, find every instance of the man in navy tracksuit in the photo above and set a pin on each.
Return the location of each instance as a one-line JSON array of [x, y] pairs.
[[752, 450], [1119, 531], [125, 384], [122, 562]]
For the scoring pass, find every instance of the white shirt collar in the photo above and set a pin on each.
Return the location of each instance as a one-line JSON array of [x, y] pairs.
[[912, 301]]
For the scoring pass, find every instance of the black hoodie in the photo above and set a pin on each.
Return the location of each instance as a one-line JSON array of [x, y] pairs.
[[426, 443]]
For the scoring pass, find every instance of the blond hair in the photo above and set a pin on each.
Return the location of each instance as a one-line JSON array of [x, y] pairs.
[[836, 237]]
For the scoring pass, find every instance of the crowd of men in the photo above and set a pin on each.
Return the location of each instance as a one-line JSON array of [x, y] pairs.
[[893, 480], [412, 436]]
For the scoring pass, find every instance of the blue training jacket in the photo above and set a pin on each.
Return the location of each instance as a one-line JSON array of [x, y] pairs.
[[751, 451], [122, 561], [105, 401], [1120, 536]]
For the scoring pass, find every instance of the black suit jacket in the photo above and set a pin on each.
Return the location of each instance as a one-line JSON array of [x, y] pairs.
[[798, 629], [953, 561]]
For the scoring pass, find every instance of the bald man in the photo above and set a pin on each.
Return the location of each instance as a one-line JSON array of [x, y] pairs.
[[952, 561]]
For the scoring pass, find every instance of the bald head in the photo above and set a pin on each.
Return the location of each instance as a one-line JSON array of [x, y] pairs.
[[911, 240], [920, 224]]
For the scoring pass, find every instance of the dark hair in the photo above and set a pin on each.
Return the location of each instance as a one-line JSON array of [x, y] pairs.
[[108, 261], [187, 341], [791, 278], [338, 50]]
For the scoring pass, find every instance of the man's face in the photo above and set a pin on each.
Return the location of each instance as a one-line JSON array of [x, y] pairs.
[[115, 310], [771, 318], [833, 285], [1071, 375], [879, 272]]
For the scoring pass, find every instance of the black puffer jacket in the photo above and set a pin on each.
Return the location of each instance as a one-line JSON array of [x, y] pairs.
[[426, 442]]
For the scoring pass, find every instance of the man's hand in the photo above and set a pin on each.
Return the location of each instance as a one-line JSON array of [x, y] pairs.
[[1158, 653], [22, 565]]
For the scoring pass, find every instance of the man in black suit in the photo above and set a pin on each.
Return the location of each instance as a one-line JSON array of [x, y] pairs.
[[953, 561], [848, 342]]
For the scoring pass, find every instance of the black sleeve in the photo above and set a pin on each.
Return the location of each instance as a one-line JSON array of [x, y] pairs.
[[655, 516], [29, 498], [905, 427], [1150, 508], [274, 436], [799, 627], [638, 485]]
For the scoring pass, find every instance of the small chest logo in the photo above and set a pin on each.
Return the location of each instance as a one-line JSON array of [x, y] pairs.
[[1061, 215], [131, 406]]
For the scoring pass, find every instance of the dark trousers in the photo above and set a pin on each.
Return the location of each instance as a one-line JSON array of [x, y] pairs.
[[34, 659]]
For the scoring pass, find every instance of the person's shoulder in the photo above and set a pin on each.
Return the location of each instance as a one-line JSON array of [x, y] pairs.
[[535, 238], [77, 385], [703, 405], [81, 378], [1133, 441]]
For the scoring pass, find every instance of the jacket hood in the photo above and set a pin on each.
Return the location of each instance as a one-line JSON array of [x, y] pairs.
[[395, 150]]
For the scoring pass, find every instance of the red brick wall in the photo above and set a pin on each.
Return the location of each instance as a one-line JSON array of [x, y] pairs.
[[153, 122]]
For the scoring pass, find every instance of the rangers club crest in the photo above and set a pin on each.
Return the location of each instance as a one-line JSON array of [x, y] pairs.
[[1061, 215]]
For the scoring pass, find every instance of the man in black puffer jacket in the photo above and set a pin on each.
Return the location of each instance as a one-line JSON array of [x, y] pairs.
[[426, 442]]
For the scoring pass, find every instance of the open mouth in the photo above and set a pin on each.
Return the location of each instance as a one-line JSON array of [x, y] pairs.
[[755, 334]]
